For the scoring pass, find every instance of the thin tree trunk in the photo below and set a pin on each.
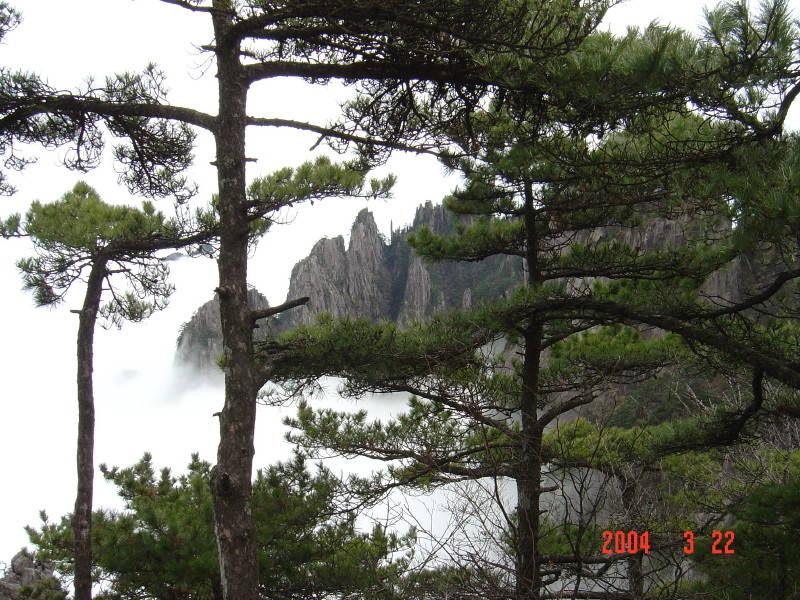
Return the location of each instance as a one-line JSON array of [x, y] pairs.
[[634, 562], [82, 517], [529, 581], [231, 477]]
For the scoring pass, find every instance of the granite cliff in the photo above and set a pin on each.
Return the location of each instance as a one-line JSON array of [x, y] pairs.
[[376, 278], [28, 577], [200, 339], [383, 279], [371, 277]]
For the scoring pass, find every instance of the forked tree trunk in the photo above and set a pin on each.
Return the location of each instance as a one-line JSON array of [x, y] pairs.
[[82, 517]]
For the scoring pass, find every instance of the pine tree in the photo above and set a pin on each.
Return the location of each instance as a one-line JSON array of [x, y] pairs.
[[424, 67], [575, 192], [80, 232], [115, 248], [162, 544], [406, 50]]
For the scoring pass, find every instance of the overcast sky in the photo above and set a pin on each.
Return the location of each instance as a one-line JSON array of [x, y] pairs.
[[143, 404]]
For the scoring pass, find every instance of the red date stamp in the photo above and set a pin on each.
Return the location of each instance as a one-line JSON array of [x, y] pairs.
[[722, 542], [626, 542], [633, 542]]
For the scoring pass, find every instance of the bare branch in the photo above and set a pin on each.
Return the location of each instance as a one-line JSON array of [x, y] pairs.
[[335, 133], [563, 407], [786, 104], [268, 312], [767, 293], [361, 70], [189, 6]]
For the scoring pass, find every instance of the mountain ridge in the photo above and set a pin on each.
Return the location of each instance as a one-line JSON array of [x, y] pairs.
[[371, 277], [377, 278]]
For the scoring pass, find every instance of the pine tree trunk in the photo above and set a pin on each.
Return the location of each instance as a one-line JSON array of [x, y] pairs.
[[231, 477], [529, 581], [634, 562], [82, 517], [528, 481]]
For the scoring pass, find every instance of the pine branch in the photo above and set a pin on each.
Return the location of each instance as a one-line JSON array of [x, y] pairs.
[[779, 369], [767, 293], [29, 107], [189, 6], [335, 133], [274, 310], [362, 70]]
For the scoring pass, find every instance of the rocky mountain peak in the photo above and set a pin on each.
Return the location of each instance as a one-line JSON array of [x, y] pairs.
[[436, 217], [378, 279], [371, 278], [200, 339], [365, 221]]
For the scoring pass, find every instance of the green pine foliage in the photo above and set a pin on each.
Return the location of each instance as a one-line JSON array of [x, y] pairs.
[[765, 526], [161, 545], [79, 230], [583, 190], [80, 220], [309, 182]]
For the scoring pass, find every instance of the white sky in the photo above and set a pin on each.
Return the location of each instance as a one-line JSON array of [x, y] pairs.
[[142, 403]]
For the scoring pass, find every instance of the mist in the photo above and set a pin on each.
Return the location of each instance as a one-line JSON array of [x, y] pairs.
[[145, 402]]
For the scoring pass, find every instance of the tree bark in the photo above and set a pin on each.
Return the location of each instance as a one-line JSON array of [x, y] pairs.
[[231, 477], [529, 581], [634, 561], [82, 517]]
